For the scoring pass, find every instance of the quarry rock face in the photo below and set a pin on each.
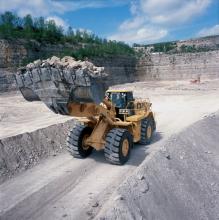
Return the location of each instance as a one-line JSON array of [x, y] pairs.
[[178, 66], [11, 54], [22, 151], [14, 53], [122, 69], [7, 81]]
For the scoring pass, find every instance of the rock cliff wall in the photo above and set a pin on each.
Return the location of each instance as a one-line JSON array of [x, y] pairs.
[[13, 54], [22, 151], [7, 81], [16, 53], [178, 66], [121, 69]]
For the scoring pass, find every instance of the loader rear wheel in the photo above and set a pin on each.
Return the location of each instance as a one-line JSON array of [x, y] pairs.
[[76, 141], [147, 129], [118, 146]]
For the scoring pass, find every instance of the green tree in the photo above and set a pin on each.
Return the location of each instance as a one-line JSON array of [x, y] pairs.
[[28, 22], [7, 24], [28, 26], [88, 44]]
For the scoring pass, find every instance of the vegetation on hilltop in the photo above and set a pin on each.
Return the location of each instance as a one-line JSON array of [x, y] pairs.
[[46, 31], [163, 47], [172, 47]]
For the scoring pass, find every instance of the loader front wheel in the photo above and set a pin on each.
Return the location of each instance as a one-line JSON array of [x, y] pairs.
[[147, 129], [76, 141], [118, 146]]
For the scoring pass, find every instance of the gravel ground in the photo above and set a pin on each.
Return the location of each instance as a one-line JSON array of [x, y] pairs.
[[167, 186], [179, 181], [17, 116]]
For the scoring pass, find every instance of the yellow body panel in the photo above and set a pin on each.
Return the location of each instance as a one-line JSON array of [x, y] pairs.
[[135, 118]]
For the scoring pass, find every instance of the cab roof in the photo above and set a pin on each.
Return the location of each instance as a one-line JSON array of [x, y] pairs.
[[112, 90]]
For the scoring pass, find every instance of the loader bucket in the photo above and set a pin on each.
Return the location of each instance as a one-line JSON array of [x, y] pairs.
[[29, 94], [57, 86]]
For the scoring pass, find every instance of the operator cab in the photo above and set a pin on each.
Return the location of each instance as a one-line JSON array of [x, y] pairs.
[[122, 100]]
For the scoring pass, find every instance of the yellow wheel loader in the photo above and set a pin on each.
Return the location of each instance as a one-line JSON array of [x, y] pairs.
[[114, 125], [111, 120]]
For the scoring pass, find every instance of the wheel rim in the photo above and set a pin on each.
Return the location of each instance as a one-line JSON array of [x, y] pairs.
[[149, 132], [84, 146], [125, 147]]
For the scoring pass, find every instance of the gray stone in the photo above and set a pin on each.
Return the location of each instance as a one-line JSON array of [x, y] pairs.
[[36, 75]]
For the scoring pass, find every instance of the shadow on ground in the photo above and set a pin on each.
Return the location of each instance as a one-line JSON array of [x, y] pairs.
[[138, 153]]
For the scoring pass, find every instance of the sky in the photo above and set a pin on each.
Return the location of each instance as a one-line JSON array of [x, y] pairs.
[[131, 21]]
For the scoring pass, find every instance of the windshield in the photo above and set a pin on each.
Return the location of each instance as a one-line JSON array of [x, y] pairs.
[[119, 99]]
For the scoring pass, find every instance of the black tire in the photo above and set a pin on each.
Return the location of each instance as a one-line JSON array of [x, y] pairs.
[[113, 150], [75, 141], [146, 125]]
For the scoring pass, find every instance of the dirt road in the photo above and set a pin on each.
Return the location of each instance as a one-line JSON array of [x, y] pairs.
[[68, 188], [18, 116]]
